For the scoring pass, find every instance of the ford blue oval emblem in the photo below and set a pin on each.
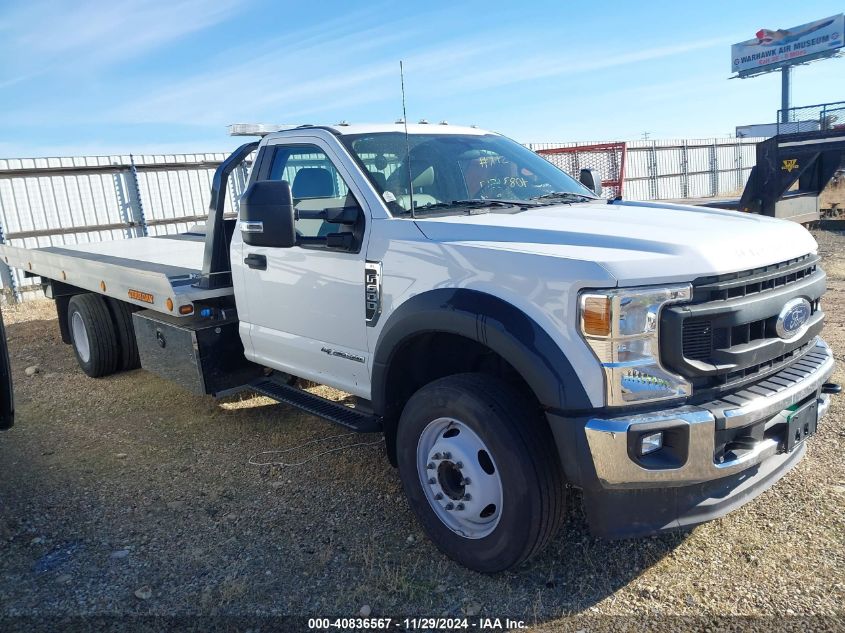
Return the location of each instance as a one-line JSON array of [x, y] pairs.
[[793, 318]]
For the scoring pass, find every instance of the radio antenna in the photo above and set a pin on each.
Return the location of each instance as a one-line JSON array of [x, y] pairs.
[[407, 141]]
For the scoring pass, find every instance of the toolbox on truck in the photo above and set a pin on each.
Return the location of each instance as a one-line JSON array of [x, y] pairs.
[[202, 355]]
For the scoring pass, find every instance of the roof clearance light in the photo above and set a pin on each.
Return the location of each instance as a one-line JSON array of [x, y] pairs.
[[257, 129]]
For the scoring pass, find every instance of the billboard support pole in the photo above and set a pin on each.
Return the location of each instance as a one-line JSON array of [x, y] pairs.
[[785, 93]]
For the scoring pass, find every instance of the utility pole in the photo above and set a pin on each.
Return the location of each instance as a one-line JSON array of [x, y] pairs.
[[785, 93], [646, 135]]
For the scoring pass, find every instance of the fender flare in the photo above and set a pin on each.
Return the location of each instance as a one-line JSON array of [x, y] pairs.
[[492, 322]]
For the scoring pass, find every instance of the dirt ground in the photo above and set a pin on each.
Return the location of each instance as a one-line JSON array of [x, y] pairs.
[[127, 495]]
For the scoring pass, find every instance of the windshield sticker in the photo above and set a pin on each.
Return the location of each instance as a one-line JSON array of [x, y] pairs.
[[388, 196], [489, 161], [507, 181]]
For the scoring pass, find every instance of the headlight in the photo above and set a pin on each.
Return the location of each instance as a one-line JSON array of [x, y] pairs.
[[622, 328]]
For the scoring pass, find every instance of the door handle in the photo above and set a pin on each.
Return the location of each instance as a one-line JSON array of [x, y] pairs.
[[256, 261]]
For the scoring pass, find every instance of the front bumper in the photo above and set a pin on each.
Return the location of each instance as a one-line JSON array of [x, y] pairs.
[[716, 456], [696, 428]]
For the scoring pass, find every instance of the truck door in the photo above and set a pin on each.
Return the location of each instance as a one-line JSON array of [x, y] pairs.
[[306, 311]]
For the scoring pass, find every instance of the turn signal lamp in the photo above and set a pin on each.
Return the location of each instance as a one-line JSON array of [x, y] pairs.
[[169, 304], [186, 310], [596, 314]]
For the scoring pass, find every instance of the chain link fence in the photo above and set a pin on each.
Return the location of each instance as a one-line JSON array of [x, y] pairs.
[[606, 158]]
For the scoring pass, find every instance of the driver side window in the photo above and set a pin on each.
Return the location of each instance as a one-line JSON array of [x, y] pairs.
[[315, 185]]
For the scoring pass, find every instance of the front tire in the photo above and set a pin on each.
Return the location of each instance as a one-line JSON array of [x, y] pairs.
[[93, 335], [479, 467]]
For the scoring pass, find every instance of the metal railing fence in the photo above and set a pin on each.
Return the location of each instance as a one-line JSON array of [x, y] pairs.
[[812, 118], [682, 168], [62, 201]]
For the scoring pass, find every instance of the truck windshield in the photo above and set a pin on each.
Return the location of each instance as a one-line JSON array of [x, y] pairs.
[[459, 170]]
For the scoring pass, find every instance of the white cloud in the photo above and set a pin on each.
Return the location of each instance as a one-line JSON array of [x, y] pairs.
[[307, 73], [353, 63], [46, 36]]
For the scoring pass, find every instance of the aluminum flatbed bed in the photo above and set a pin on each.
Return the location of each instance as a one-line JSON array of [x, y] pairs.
[[146, 271]]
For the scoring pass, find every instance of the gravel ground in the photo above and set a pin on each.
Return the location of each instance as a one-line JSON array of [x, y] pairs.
[[127, 495]]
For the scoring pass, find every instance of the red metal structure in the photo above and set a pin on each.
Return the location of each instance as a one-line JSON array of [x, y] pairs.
[[607, 158]]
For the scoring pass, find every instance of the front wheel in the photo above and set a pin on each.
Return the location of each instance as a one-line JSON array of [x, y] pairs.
[[478, 465]]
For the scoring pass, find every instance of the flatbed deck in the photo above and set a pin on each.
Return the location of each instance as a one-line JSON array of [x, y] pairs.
[[145, 271]]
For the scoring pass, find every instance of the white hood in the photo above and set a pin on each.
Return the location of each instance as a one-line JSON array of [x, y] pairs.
[[637, 244]]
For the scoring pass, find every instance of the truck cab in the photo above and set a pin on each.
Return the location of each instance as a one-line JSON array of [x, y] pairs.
[[509, 331]]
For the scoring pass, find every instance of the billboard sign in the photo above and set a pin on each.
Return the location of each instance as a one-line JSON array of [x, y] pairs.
[[771, 50]]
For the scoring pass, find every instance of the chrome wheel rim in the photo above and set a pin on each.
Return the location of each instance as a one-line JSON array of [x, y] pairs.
[[460, 478], [80, 337]]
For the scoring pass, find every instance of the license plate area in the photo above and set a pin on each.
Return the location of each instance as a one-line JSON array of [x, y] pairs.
[[800, 424]]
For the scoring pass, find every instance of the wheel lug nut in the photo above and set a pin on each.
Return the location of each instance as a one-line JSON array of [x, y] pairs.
[[459, 464], [432, 480], [467, 497], [467, 481], [437, 456], [450, 506], [438, 496], [460, 506], [430, 466], [447, 455]]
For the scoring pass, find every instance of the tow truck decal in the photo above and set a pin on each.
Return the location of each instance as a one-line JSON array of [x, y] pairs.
[[789, 164], [146, 297]]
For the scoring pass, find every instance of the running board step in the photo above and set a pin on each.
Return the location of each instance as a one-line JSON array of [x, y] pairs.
[[328, 409]]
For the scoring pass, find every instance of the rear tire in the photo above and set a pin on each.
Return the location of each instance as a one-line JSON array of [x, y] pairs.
[[121, 313], [93, 335], [479, 428]]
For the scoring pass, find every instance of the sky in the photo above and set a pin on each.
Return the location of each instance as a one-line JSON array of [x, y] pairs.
[[104, 77]]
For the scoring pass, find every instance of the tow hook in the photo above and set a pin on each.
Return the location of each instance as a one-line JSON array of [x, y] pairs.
[[831, 387]]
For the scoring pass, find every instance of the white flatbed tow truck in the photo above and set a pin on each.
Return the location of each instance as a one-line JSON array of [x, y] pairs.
[[509, 331]]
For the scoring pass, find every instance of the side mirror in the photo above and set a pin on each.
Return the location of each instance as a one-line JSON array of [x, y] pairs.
[[266, 214], [591, 179]]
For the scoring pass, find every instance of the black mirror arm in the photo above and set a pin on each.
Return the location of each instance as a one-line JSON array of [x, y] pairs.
[[334, 215], [343, 240]]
